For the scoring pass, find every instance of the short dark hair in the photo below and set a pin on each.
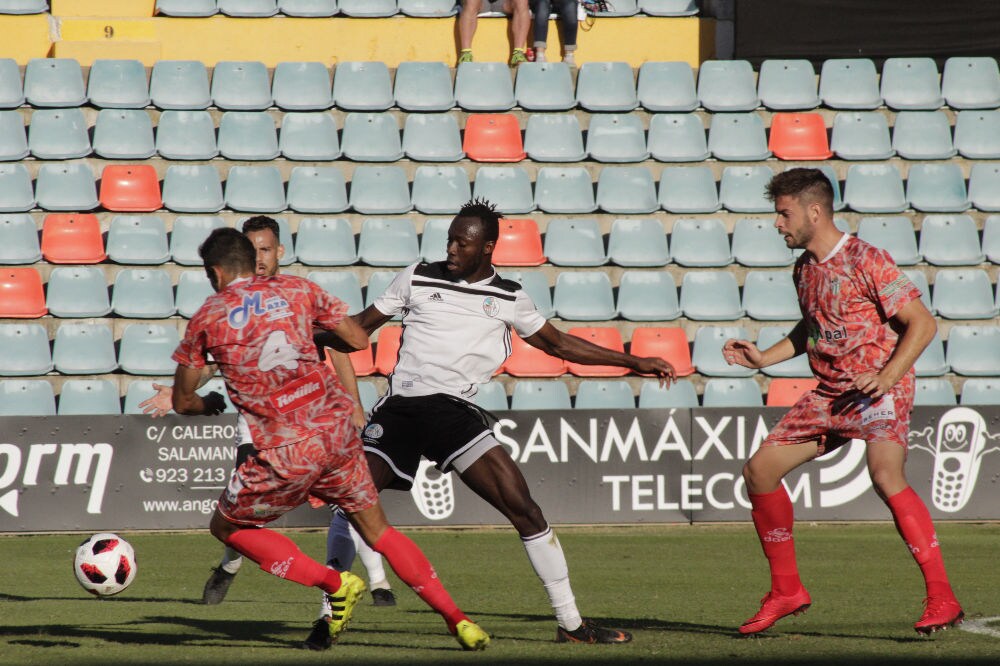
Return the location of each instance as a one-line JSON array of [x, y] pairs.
[[260, 223], [800, 181], [228, 249], [487, 214]]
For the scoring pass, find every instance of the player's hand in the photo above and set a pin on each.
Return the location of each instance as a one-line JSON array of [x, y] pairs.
[[742, 352], [160, 404], [656, 366], [358, 418], [872, 384]]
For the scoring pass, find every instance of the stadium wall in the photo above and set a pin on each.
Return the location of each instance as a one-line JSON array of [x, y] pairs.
[[583, 467]]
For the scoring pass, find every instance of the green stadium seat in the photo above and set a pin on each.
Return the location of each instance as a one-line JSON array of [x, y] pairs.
[[255, 189], [16, 195], [192, 188], [874, 188], [838, 201], [677, 137], [118, 84], [977, 134], [930, 392], [540, 394], [388, 242], [894, 234], [931, 362], [84, 349], [919, 281], [797, 366], [342, 285], [146, 349], [979, 392], [434, 239], [368, 8], [964, 294], [241, 86], [849, 83], [700, 242], [732, 392], [11, 91], [377, 190], [58, 134], [974, 351], [317, 190], [187, 8], [248, 8], [141, 293], [66, 187], [742, 189], [301, 86], [308, 8], [188, 234], [688, 190], [679, 395], [432, 137], [186, 135], [787, 85], [484, 86], [180, 85], [24, 6], [668, 7], [140, 390], [711, 296], [911, 84], [193, 288], [667, 87], [428, 8], [371, 137], [423, 86], [362, 86], [13, 139], [440, 190], [648, 296], [24, 350], [606, 86], [554, 137], [536, 285], [984, 186], [27, 397], [369, 394], [922, 135], [584, 296], [604, 394], [378, 281], [574, 242], [492, 396], [564, 190], [707, 354], [248, 136], [78, 291], [937, 188], [124, 134], [309, 137], [727, 85], [770, 296], [616, 138], [990, 247], [18, 240], [626, 190], [86, 397], [54, 82], [621, 8], [971, 82], [950, 240], [544, 86], [638, 242], [861, 135], [756, 243], [507, 187], [738, 137]]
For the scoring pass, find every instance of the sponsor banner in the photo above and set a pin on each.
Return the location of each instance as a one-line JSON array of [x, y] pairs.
[[628, 466]]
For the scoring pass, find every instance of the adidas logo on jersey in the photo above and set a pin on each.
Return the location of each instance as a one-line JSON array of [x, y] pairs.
[[436, 297]]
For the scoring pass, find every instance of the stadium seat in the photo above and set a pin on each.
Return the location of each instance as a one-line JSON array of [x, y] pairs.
[[787, 85], [991, 238], [679, 395], [911, 84], [616, 138], [78, 291], [530, 394], [786, 391], [667, 87], [700, 242], [342, 285], [58, 134], [13, 140], [974, 350], [979, 392], [922, 135], [620, 8], [18, 240], [930, 392], [325, 241], [919, 281], [544, 86], [584, 296], [85, 349], [564, 190], [255, 189], [186, 135], [757, 243], [371, 137], [27, 397], [146, 349], [187, 8], [648, 296], [440, 190], [309, 137], [727, 85], [377, 190], [797, 366], [607, 337], [248, 136], [669, 344], [849, 83], [23, 297], [931, 362], [626, 190], [16, 195], [54, 82], [677, 137], [434, 239], [707, 354], [85, 397], [874, 188], [432, 137], [241, 86], [554, 137], [301, 86], [118, 84], [24, 350], [368, 8], [362, 86], [507, 187], [123, 134], [66, 187], [493, 137], [742, 188], [861, 135], [423, 87], [977, 134], [638, 242], [188, 234], [317, 190], [838, 201], [369, 394], [248, 8], [387, 349], [72, 239], [192, 189], [130, 188], [193, 288], [732, 392], [23, 6], [770, 296], [937, 188], [710, 296], [606, 86], [378, 281], [964, 294], [604, 394], [668, 7], [574, 242], [141, 293], [11, 91], [688, 190], [179, 84], [492, 397], [528, 361], [388, 242], [519, 244], [484, 86], [536, 285], [140, 390], [984, 186], [738, 137], [971, 83], [950, 240], [894, 235], [363, 363], [799, 136]]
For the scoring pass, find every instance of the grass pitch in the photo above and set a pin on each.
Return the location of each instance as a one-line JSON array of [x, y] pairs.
[[681, 590]]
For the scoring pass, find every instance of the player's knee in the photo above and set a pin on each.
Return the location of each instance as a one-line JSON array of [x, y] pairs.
[[886, 479]]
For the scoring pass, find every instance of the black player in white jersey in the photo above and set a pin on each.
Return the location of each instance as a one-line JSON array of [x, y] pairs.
[[457, 316]]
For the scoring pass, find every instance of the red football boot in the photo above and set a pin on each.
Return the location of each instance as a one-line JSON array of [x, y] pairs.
[[773, 608], [939, 613]]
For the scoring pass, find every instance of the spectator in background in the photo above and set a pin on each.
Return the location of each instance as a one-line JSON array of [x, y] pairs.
[[567, 17], [519, 23]]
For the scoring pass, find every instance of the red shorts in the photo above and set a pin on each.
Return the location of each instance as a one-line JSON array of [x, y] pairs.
[[811, 419], [274, 481]]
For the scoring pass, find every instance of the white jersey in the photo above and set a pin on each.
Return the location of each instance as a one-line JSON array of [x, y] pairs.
[[455, 334]]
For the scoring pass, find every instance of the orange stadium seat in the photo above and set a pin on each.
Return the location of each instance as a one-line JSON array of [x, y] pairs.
[[72, 238], [387, 349], [130, 188], [607, 337], [21, 295], [799, 136], [528, 361], [670, 344], [519, 244], [493, 137], [363, 362], [785, 391]]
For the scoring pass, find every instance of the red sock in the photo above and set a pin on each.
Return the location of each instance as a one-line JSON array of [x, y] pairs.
[[277, 554], [410, 564], [914, 524], [773, 517]]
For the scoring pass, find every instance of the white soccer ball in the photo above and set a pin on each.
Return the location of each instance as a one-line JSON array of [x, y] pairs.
[[105, 564]]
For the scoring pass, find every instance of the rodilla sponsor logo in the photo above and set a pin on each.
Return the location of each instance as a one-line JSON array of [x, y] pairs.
[[75, 464]]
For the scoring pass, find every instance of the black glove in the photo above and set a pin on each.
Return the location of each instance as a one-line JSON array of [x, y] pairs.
[[214, 403]]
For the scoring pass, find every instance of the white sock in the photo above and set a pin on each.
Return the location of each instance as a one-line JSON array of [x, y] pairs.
[[540, 55], [372, 562], [231, 560], [546, 556], [324, 607]]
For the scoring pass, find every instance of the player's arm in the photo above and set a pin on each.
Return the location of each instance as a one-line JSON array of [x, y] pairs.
[[161, 402], [186, 401], [916, 327], [345, 372], [367, 320], [577, 350], [746, 353]]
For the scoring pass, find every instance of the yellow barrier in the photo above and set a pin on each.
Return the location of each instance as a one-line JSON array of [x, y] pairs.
[[24, 37]]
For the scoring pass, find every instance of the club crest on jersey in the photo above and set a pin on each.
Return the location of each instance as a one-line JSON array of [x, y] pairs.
[[373, 431], [254, 304], [491, 307]]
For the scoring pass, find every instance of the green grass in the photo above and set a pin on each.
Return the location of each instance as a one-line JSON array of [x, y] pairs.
[[681, 590]]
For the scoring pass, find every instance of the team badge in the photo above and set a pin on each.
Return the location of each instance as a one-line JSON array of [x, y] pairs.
[[373, 431], [491, 307]]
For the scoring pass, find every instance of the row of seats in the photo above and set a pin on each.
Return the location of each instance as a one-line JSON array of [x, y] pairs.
[[442, 189], [128, 134], [907, 84]]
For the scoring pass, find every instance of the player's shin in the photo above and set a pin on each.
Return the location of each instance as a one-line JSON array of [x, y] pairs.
[[914, 524], [278, 555], [773, 517], [546, 557]]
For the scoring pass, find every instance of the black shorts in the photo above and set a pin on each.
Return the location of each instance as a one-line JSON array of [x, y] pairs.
[[439, 427]]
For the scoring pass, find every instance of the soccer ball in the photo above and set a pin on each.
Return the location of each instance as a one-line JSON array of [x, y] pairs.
[[105, 564]]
